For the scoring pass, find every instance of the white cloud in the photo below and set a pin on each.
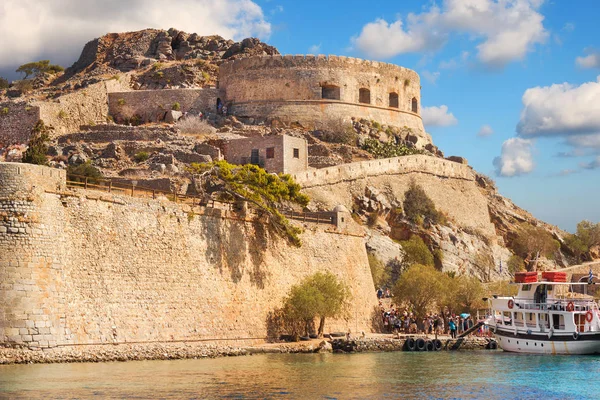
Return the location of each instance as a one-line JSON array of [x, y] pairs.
[[561, 110], [515, 158], [438, 116], [592, 60], [431, 76], [455, 62], [485, 131], [58, 29], [507, 30], [314, 49]]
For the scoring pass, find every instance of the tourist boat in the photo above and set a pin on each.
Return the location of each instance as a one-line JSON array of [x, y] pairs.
[[548, 316]]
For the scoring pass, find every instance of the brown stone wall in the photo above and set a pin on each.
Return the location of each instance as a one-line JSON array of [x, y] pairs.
[[16, 122], [97, 268], [265, 86], [151, 105], [450, 185]]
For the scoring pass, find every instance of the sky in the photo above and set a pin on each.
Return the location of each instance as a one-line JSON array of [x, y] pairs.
[[512, 85]]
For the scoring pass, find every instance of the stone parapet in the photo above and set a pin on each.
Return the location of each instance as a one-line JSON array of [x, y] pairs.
[[388, 166]]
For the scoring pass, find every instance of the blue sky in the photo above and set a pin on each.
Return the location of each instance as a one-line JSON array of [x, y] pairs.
[[479, 61]]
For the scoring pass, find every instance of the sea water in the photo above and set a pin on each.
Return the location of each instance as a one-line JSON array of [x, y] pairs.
[[435, 375]]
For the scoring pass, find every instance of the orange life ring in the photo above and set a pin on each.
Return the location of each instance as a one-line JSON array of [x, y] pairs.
[[570, 306], [589, 316], [511, 304]]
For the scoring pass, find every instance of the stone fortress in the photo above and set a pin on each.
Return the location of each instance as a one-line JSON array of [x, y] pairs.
[[83, 267]]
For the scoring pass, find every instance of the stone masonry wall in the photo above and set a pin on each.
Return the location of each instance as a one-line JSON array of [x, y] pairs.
[[151, 105], [96, 268], [290, 88], [16, 122], [450, 185]]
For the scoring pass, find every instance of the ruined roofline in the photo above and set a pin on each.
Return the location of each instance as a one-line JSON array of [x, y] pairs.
[[288, 60]]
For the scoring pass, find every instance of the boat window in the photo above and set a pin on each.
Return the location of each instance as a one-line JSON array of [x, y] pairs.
[[558, 321], [526, 288]]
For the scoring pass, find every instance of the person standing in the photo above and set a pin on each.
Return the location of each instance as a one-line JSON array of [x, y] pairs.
[[452, 327]]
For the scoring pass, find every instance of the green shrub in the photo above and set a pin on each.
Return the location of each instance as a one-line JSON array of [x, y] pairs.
[[376, 125], [121, 102], [79, 173], [388, 150], [4, 84], [141, 156], [157, 65], [418, 206], [159, 74], [379, 271], [531, 240], [24, 86], [205, 76], [4, 111], [176, 106], [38, 144], [416, 252], [62, 114], [515, 264]]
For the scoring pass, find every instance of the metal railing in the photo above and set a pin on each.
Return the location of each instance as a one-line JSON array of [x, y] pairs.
[[109, 186], [556, 305]]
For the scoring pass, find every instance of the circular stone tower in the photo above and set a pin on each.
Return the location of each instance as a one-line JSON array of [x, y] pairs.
[[312, 89]]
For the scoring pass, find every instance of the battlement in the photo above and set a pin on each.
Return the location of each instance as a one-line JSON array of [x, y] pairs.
[[389, 166], [310, 60]]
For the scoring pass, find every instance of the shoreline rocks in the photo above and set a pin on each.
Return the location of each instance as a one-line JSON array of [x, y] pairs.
[[189, 350]]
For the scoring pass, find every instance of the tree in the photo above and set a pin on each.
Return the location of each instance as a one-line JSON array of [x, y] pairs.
[[532, 241], [334, 294], [4, 84], [421, 287], [576, 245], [38, 144], [37, 68], [250, 183], [416, 252], [515, 264], [418, 206], [379, 272], [78, 173], [469, 294], [320, 295], [588, 233]]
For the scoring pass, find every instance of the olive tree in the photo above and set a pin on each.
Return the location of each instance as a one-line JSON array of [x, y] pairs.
[[421, 287]]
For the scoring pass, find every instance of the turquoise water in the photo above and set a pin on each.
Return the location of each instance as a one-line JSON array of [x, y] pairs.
[[443, 375]]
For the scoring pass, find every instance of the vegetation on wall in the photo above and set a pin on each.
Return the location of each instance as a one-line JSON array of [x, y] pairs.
[[38, 144], [379, 271], [418, 207], [250, 183], [586, 237], [320, 296], [387, 150], [4, 84], [416, 252], [141, 156]]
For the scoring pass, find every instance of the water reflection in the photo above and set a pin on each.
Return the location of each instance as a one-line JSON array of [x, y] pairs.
[[362, 376]]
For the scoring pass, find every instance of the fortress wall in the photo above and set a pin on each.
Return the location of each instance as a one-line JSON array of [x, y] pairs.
[[95, 268], [314, 113], [16, 122], [450, 185], [68, 113], [299, 78], [152, 105], [32, 306]]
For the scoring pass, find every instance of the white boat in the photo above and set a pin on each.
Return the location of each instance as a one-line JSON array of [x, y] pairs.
[[546, 317]]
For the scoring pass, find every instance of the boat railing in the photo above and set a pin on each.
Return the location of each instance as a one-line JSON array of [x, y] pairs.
[[556, 305]]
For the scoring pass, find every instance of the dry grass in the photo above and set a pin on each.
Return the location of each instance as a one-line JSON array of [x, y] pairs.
[[193, 125]]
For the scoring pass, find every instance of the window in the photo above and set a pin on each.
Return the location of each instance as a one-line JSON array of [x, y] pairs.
[[296, 153], [254, 158], [415, 105], [364, 96], [330, 92], [394, 100], [270, 152]]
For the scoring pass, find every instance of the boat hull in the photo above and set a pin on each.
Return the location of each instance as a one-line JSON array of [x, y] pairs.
[[542, 344]]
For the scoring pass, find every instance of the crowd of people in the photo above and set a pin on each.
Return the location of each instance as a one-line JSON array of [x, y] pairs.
[[396, 320]]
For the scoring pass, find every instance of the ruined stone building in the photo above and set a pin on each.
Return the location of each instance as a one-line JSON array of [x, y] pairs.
[[281, 153]]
